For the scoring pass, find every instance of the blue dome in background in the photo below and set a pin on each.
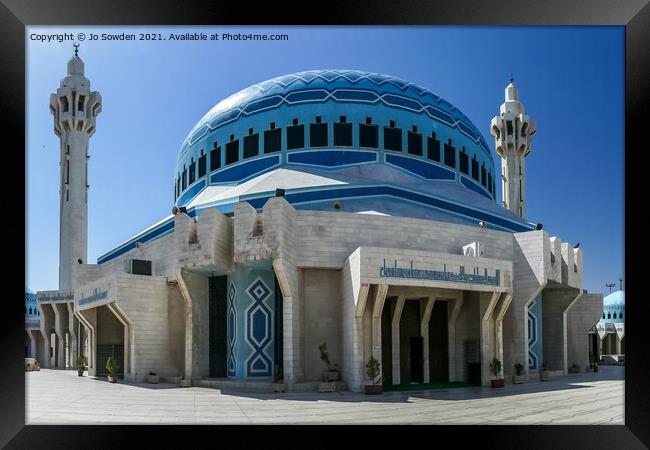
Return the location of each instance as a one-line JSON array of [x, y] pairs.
[[614, 308], [31, 310]]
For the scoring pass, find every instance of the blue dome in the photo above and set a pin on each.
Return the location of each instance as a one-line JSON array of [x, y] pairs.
[[338, 140], [614, 308], [31, 310]]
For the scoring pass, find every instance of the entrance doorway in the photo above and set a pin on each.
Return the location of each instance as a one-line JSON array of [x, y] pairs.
[[417, 363], [217, 326]]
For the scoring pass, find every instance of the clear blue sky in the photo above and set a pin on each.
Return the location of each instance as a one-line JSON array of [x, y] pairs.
[[571, 81]]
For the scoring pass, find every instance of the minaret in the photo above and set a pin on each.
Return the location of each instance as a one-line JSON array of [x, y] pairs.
[[513, 131], [74, 108]]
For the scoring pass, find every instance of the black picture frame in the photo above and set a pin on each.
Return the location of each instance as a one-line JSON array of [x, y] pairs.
[[634, 15]]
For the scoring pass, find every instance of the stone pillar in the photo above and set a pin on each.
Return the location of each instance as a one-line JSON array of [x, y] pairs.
[[60, 326], [128, 329], [89, 320], [47, 323], [74, 342], [378, 307], [187, 298], [502, 307], [487, 337], [618, 344], [451, 329], [424, 332], [395, 337], [32, 344]]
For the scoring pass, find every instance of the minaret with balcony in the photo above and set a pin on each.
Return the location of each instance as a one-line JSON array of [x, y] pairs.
[[513, 131], [74, 107]]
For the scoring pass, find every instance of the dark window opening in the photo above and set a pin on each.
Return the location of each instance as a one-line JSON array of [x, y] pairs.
[[450, 155], [393, 137], [463, 161], [318, 134], [192, 171], [489, 183], [433, 148], [483, 176], [474, 168], [415, 142], [64, 103], [295, 136], [67, 171], [67, 195], [272, 139], [140, 267], [251, 145], [509, 127], [215, 158], [343, 133], [232, 151], [184, 179], [80, 103], [202, 161], [368, 134]]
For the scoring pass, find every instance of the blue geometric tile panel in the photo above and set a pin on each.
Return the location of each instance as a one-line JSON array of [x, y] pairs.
[[259, 330], [232, 329]]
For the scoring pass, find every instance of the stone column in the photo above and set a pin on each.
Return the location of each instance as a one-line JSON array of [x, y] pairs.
[[487, 339], [395, 337], [504, 303], [60, 325], [424, 332], [89, 320], [451, 329], [74, 342], [378, 307], [32, 344]]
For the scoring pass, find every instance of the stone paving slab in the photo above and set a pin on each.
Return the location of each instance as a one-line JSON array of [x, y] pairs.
[[61, 397]]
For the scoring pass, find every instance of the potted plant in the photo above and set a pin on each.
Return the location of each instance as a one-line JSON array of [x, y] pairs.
[[519, 376], [152, 377], [278, 385], [28, 368], [184, 382], [495, 368], [37, 366], [81, 364], [331, 375], [543, 374], [374, 374], [111, 366]]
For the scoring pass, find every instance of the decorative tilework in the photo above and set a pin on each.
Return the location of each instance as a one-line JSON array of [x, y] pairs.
[[232, 329], [259, 330]]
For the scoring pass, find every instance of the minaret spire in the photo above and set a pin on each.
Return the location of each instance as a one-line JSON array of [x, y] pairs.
[[513, 130], [74, 107]]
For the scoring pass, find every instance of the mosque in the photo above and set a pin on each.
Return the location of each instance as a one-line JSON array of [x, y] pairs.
[[609, 333], [342, 207]]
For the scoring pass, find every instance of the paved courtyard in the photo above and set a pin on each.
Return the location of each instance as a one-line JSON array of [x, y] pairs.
[[61, 397]]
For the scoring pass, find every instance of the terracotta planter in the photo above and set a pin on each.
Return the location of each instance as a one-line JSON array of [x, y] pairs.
[[498, 383], [185, 382], [327, 387], [332, 375], [152, 379], [373, 389], [519, 379], [112, 379], [278, 387]]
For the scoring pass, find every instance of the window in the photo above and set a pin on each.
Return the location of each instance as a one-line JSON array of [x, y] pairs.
[[80, 103], [393, 137], [192, 171], [215, 158], [64, 103], [184, 179], [603, 315], [318, 134], [620, 315], [414, 140], [489, 183], [483, 175], [232, 150], [474, 168], [251, 144], [433, 148], [343, 133], [295, 136], [609, 315], [368, 134], [178, 185], [509, 127], [272, 139], [67, 171], [202, 159], [614, 316], [463, 160], [450, 155]]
